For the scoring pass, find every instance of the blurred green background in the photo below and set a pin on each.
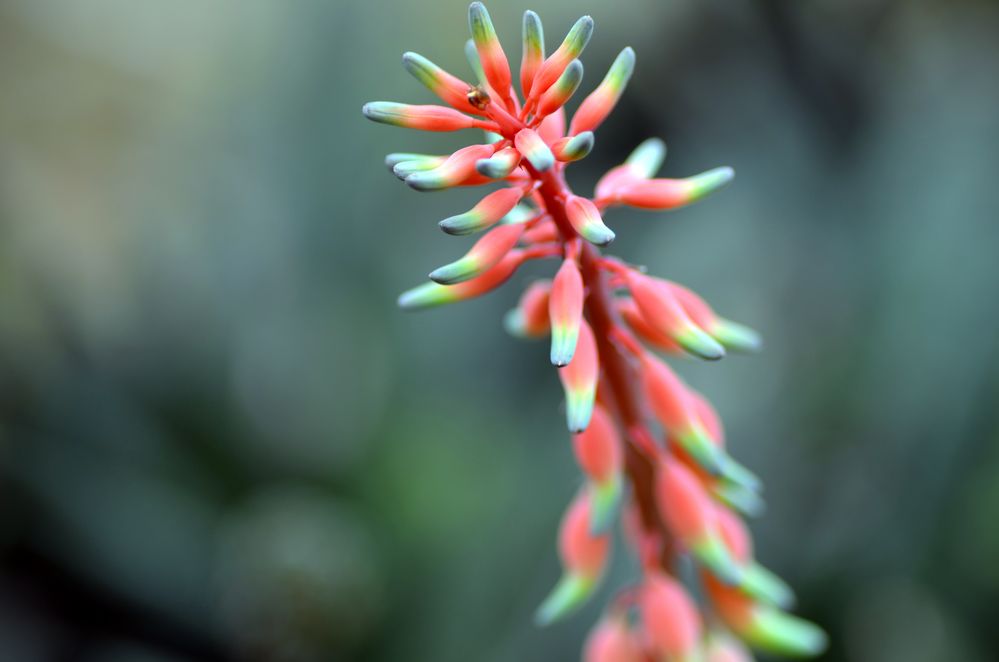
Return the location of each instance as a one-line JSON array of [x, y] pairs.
[[220, 440]]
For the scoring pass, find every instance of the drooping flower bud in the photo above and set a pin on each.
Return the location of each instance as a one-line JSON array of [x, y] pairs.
[[563, 88], [754, 579], [458, 168], [565, 309], [672, 193], [651, 335], [689, 515], [586, 220], [530, 318], [414, 162], [601, 101], [670, 619], [485, 254], [584, 557], [568, 50], [426, 118], [661, 309], [534, 51], [534, 149], [434, 294], [500, 164], [573, 148], [612, 641], [579, 381], [487, 212], [452, 90], [730, 334], [599, 452], [643, 163], [762, 626], [491, 55]]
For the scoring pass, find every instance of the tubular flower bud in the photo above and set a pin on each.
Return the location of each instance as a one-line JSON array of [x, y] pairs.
[[643, 163], [665, 313], [689, 515], [670, 619], [678, 495], [432, 294], [485, 254], [612, 641], [598, 451], [552, 127], [451, 90], [426, 118], [566, 85], [565, 309], [500, 164], [568, 50], [530, 318], [534, 149], [585, 219], [762, 626], [601, 101], [573, 148], [487, 212], [458, 168], [579, 380], [491, 55], [672, 193], [584, 557], [730, 334], [534, 51]]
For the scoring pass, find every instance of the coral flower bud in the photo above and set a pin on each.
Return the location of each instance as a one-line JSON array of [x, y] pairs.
[[451, 90], [487, 212], [612, 641], [500, 164], [534, 149], [434, 294], [673, 193], [688, 513], [754, 580], [670, 619], [573, 148], [534, 51], [458, 167], [730, 334], [566, 85], [643, 163], [661, 309], [584, 557], [762, 626], [427, 118], [491, 55], [601, 101], [653, 336], [485, 254], [530, 318], [543, 232], [585, 219], [599, 452], [552, 127], [568, 50], [579, 380], [565, 309]]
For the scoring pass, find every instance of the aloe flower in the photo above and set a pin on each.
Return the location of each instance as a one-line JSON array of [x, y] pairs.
[[651, 449]]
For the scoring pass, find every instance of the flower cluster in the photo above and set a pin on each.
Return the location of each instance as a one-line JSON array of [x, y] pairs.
[[651, 448]]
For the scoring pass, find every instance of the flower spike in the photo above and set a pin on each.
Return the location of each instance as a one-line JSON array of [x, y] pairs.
[[680, 494], [598, 105]]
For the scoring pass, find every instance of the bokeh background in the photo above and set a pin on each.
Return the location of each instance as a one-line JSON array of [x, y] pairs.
[[220, 440]]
